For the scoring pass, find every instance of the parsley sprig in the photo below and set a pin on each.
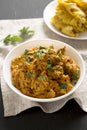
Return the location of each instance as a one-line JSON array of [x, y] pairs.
[[12, 39], [25, 33]]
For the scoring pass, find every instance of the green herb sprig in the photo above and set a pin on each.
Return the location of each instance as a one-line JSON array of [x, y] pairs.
[[25, 33], [12, 39]]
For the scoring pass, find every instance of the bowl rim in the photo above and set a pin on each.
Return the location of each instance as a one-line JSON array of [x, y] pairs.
[[47, 99]]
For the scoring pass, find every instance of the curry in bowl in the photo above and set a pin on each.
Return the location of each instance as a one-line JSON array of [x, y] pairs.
[[43, 72]]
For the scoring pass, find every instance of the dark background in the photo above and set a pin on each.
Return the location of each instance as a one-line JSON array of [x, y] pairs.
[[71, 116]]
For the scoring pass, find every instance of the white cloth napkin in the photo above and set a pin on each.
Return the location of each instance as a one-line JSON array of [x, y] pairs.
[[13, 103]]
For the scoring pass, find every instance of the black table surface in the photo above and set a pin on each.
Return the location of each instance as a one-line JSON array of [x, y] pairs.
[[71, 116]]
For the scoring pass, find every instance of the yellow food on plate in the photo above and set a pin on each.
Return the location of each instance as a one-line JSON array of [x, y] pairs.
[[43, 72], [81, 3], [70, 17]]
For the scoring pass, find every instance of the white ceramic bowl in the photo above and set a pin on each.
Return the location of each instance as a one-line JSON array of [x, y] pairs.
[[18, 50]]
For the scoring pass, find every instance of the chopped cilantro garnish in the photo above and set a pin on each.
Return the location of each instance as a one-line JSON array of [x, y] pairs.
[[42, 47], [75, 75], [42, 77], [28, 60], [30, 74], [38, 54], [66, 71], [63, 86], [50, 67], [25, 52], [60, 55]]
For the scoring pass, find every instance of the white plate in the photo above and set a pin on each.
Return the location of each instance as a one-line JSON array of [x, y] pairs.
[[49, 12]]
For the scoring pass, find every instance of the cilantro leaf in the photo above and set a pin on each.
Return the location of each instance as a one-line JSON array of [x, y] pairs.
[[50, 67], [25, 32], [42, 47], [75, 75], [28, 60], [15, 38], [38, 54], [12, 39], [25, 52], [63, 86], [7, 39], [42, 77], [30, 74]]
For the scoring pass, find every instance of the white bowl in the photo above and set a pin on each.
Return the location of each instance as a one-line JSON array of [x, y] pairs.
[[18, 50]]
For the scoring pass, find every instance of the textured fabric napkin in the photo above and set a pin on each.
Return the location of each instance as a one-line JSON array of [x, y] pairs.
[[13, 103]]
